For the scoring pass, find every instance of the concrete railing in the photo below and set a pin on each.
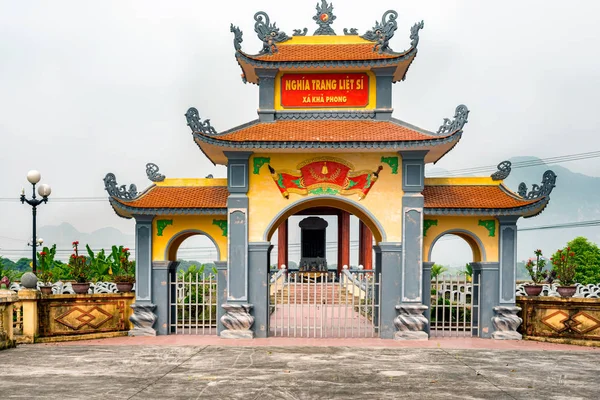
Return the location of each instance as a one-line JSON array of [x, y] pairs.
[[60, 317], [7, 299], [560, 319]]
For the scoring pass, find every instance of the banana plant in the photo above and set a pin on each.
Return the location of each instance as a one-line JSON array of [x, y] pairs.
[[100, 265]]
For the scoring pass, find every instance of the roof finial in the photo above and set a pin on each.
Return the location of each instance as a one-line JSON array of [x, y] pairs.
[[414, 33], [324, 18], [153, 174], [237, 37], [383, 32], [268, 33], [196, 125], [120, 192], [460, 119], [548, 183], [503, 172]]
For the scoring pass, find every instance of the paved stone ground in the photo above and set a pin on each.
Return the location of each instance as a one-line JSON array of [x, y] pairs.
[[218, 372]]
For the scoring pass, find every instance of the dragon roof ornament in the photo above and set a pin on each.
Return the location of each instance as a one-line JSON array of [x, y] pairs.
[[383, 32], [460, 119], [196, 124], [503, 172], [120, 192], [537, 191], [268, 33], [237, 37], [414, 33], [153, 174]]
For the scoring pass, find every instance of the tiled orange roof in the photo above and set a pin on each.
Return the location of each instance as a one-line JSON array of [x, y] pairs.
[[181, 197], [325, 52], [325, 131], [465, 196]]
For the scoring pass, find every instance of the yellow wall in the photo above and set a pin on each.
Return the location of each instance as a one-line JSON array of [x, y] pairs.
[[183, 223], [470, 224], [372, 91], [383, 200]]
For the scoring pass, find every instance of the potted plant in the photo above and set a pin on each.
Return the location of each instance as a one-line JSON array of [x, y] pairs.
[[563, 263], [536, 272], [124, 270], [45, 261], [78, 267]]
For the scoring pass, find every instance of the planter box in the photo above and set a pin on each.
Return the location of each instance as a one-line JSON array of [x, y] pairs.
[[560, 318], [84, 314]]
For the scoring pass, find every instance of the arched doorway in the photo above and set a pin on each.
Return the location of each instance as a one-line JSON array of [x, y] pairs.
[[193, 283], [316, 295], [454, 304]]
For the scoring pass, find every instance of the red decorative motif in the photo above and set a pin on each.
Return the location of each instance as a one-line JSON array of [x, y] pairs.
[[324, 176], [324, 17], [325, 90]]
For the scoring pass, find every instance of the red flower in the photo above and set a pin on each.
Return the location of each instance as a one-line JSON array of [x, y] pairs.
[[43, 253], [126, 249]]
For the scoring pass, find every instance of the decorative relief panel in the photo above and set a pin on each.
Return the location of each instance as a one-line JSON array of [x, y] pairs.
[[74, 314], [325, 175]]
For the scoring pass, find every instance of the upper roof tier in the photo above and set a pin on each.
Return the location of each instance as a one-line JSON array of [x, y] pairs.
[[325, 49]]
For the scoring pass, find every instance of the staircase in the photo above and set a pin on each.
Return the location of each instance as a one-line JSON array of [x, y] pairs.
[[314, 293]]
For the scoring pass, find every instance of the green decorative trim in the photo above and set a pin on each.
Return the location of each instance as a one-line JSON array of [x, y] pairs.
[[428, 223], [490, 225], [161, 224], [259, 162], [221, 223], [392, 162], [322, 190]]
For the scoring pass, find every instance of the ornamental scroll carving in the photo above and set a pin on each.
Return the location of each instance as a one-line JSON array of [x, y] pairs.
[[237, 37], [325, 175], [503, 172], [538, 191], [268, 33], [383, 31], [414, 33], [153, 174], [461, 116], [120, 192], [196, 125]]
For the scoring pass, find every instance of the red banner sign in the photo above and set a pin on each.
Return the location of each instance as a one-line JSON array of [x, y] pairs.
[[325, 90]]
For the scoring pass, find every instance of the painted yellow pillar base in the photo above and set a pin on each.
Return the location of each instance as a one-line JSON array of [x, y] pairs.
[[29, 298]]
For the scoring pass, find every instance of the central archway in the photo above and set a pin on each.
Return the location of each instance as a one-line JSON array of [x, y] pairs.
[[332, 202]]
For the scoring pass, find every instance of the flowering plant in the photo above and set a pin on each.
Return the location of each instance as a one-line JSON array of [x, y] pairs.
[[78, 265], [563, 262], [536, 268], [45, 260], [123, 270]]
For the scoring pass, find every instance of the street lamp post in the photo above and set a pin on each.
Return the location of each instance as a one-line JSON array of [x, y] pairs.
[[44, 190]]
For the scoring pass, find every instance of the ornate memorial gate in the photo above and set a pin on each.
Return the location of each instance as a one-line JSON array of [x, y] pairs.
[[454, 306], [193, 304], [323, 304]]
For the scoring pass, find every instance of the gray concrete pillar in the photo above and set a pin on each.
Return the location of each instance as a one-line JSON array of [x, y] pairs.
[[384, 77], [221, 267], [266, 96], [143, 317], [388, 260], [258, 274], [486, 277], [505, 320], [161, 294], [427, 291]]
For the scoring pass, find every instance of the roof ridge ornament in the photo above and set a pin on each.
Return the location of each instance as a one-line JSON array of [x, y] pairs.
[[350, 32], [503, 172], [537, 191], [324, 18], [196, 125], [237, 37], [300, 32], [383, 32], [120, 192], [460, 119], [153, 174], [268, 33], [414, 33]]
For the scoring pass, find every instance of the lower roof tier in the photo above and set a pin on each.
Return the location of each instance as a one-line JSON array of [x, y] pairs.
[[469, 199]]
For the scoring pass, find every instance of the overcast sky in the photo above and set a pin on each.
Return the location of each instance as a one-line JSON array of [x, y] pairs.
[[88, 88]]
